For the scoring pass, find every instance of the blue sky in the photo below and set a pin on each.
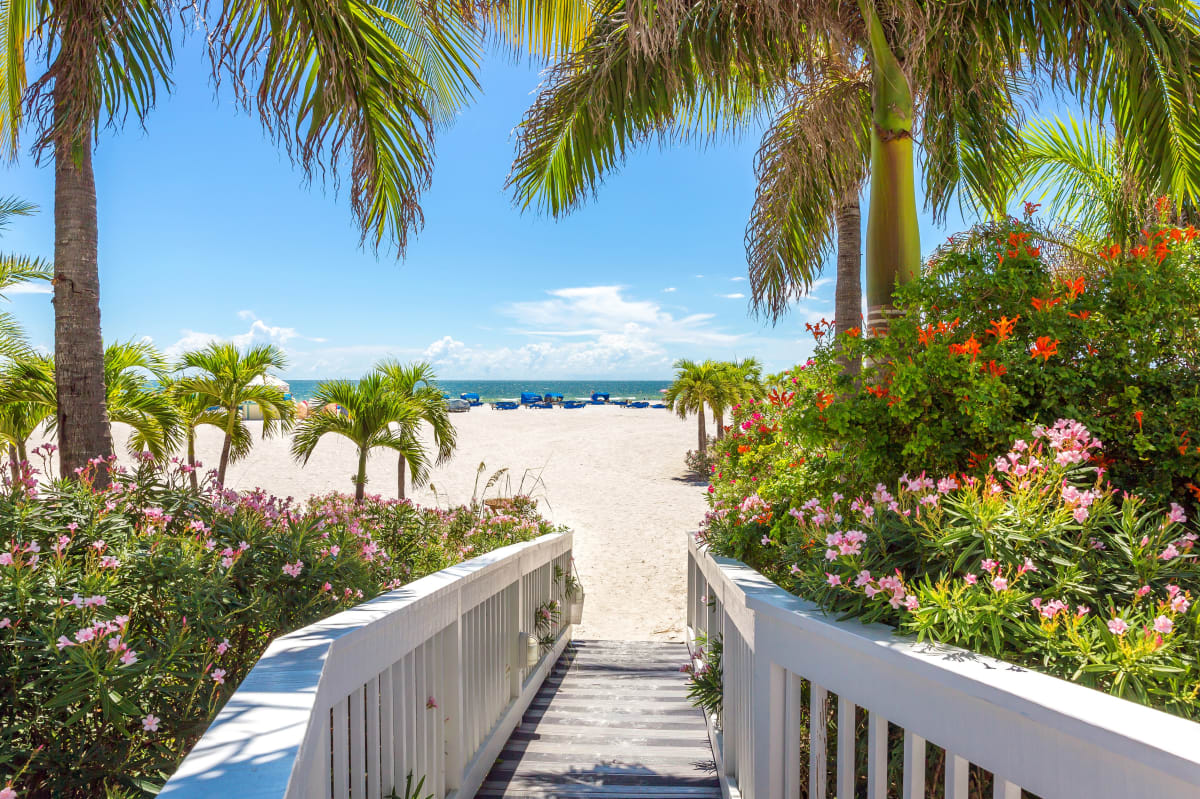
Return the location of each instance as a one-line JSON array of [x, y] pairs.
[[207, 231]]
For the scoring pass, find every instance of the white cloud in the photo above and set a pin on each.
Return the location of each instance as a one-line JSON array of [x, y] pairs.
[[736, 279], [582, 331], [734, 296], [668, 289], [258, 333], [698, 276], [38, 287]]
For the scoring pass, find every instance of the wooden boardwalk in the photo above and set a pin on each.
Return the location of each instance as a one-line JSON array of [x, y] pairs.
[[612, 721]]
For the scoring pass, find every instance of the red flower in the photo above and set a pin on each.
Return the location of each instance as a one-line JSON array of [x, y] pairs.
[[1046, 304], [1002, 329], [993, 368], [853, 332], [1138, 415], [1081, 316], [823, 400]]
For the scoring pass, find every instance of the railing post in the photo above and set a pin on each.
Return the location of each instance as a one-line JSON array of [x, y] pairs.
[[516, 609]]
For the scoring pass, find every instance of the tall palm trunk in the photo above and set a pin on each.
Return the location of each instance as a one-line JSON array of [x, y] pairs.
[[847, 303], [191, 458], [893, 237], [719, 423], [82, 414], [360, 481], [703, 432], [14, 460], [400, 464]]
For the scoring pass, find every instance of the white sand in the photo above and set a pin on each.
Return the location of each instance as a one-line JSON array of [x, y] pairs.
[[614, 476]]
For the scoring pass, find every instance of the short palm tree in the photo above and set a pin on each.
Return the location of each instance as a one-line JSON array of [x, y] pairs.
[[18, 421], [226, 377], [860, 84], [14, 271], [698, 386], [196, 409], [130, 371], [415, 383], [375, 417], [742, 383]]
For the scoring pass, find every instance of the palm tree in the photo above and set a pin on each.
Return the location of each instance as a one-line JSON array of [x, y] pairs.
[[742, 382], [855, 81], [227, 378], [130, 370], [696, 386], [415, 384], [18, 421], [360, 84], [376, 416], [196, 409]]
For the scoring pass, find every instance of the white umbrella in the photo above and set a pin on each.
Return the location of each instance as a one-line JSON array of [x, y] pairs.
[[271, 380]]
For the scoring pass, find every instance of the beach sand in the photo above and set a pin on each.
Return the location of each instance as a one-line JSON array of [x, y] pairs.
[[614, 476]]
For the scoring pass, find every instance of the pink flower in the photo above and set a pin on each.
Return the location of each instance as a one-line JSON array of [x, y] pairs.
[[1176, 514], [1170, 553], [129, 658], [999, 584], [6, 558], [1081, 514], [1179, 604], [989, 565], [1117, 626], [326, 587], [150, 722], [970, 579], [911, 603], [5, 622], [293, 569], [85, 635], [1163, 625], [223, 647], [1145, 589], [833, 579], [63, 642], [218, 676], [431, 704], [8, 792]]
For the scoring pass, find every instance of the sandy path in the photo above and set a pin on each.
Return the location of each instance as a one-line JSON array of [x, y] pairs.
[[615, 476]]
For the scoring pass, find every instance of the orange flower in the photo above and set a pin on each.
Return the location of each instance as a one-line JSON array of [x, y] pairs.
[[926, 335], [1162, 251], [1138, 415], [823, 400], [1003, 328], [1075, 287], [968, 347], [854, 332], [1140, 252], [1044, 348], [993, 368], [1092, 350], [1046, 304], [743, 449], [1034, 252], [1081, 316], [1194, 489], [878, 391]]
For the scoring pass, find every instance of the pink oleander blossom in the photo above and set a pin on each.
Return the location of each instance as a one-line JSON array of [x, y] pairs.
[[218, 676], [150, 722], [1163, 624]]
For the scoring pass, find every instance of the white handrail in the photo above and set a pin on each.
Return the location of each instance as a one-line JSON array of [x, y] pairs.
[[429, 679], [1050, 737]]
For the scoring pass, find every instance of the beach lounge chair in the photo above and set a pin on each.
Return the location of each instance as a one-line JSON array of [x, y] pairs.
[[658, 405], [528, 397], [573, 404], [505, 405], [638, 404], [540, 405], [599, 397], [472, 398], [552, 397], [619, 401]]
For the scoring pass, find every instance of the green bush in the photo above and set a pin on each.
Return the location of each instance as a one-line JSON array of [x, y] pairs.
[[991, 339], [129, 615]]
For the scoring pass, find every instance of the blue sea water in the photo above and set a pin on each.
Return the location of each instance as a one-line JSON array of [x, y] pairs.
[[489, 390]]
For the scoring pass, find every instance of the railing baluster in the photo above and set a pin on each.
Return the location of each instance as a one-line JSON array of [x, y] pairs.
[[818, 728], [319, 774], [341, 750], [412, 710], [399, 762], [372, 741], [877, 756], [1003, 789], [421, 711], [433, 727], [845, 747], [387, 731], [914, 766], [958, 776], [793, 720]]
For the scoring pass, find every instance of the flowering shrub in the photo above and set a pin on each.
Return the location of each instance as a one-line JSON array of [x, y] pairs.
[[989, 340], [1040, 560], [128, 615]]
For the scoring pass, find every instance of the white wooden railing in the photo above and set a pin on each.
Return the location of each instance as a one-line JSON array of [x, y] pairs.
[[429, 679], [1034, 732]]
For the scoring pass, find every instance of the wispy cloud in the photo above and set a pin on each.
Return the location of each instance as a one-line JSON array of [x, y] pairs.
[[734, 296], [259, 332], [736, 279], [668, 289]]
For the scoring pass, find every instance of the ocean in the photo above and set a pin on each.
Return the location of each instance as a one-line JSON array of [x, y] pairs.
[[490, 390]]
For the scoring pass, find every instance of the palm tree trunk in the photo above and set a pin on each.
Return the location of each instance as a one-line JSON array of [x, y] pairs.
[[13, 461], [191, 458], [360, 482], [400, 477], [226, 445], [82, 414], [719, 423], [893, 237], [847, 307], [703, 432]]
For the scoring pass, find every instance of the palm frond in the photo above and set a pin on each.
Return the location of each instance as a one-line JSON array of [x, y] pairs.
[[812, 157], [541, 29]]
